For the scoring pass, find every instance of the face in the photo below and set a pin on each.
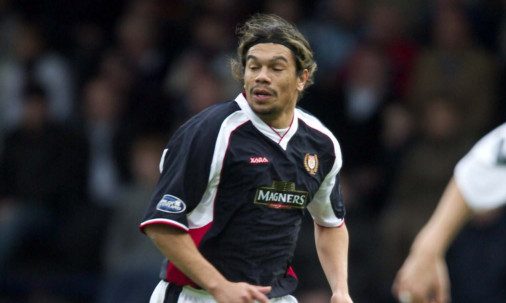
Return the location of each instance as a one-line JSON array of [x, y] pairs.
[[271, 83]]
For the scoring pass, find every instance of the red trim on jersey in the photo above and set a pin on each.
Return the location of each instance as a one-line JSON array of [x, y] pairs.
[[174, 275], [282, 136], [290, 272]]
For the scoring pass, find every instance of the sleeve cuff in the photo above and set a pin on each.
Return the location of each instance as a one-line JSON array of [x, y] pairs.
[[170, 223], [338, 223]]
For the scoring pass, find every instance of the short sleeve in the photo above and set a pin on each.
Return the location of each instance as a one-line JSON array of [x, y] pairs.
[[327, 207], [481, 174], [185, 168]]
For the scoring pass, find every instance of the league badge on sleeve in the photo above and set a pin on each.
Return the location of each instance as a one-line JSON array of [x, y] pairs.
[[311, 163], [171, 204]]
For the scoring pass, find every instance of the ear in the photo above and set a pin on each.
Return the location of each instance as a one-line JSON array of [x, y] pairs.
[[302, 79]]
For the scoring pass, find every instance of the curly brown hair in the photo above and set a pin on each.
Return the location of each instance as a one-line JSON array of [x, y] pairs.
[[269, 28]]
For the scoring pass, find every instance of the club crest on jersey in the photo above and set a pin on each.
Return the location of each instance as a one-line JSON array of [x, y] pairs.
[[171, 204], [281, 195], [311, 163]]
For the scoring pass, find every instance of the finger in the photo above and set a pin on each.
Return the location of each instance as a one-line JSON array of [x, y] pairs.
[[259, 296], [259, 293], [442, 287], [264, 289]]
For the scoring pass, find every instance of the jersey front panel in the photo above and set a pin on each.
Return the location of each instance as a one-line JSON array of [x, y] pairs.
[[246, 218], [262, 196]]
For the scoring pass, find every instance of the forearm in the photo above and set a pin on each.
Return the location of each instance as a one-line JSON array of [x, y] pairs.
[[424, 274], [180, 249], [451, 213], [332, 248]]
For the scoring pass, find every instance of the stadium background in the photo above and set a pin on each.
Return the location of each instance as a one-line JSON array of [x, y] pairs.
[[91, 90]]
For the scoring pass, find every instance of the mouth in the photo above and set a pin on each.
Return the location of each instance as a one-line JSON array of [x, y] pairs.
[[262, 94]]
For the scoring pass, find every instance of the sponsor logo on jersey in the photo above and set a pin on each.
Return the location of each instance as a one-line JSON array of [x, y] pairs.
[[171, 204], [311, 163], [258, 160], [281, 195]]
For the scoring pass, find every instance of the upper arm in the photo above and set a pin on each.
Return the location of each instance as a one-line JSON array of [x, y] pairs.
[[185, 168], [327, 207]]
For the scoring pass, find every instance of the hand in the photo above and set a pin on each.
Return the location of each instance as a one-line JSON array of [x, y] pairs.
[[423, 278], [241, 293], [341, 297]]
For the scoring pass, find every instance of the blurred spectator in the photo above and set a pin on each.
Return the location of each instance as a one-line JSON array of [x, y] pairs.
[[88, 47], [9, 21], [354, 114], [221, 10], [137, 35], [454, 66], [385, 28], [42, 170], [286, 9], [332, 32], [485, 17], [205, 61], [204, 93], [107, 139], [365, 92], [139, 50], [397, 135], [421, 179], [31, 62], [118, 73], [131, 261], [414, 15]]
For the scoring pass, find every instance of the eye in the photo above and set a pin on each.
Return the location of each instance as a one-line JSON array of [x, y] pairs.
[[278, 68], [254, 67]]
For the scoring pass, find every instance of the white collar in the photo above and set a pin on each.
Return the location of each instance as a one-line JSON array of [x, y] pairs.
[[264, 128]]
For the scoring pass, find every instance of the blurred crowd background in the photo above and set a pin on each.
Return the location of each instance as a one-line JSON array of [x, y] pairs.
[[90, 92]]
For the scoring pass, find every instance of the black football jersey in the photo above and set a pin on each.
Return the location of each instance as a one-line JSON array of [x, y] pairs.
[[240, 189]]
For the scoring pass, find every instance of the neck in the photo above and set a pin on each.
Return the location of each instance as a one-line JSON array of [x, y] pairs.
[[280, 121]]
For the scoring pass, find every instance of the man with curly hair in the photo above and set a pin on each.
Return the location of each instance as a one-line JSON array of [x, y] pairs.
[[237, 178]]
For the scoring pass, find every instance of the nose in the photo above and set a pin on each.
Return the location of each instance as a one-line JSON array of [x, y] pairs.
[[263, 76]]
